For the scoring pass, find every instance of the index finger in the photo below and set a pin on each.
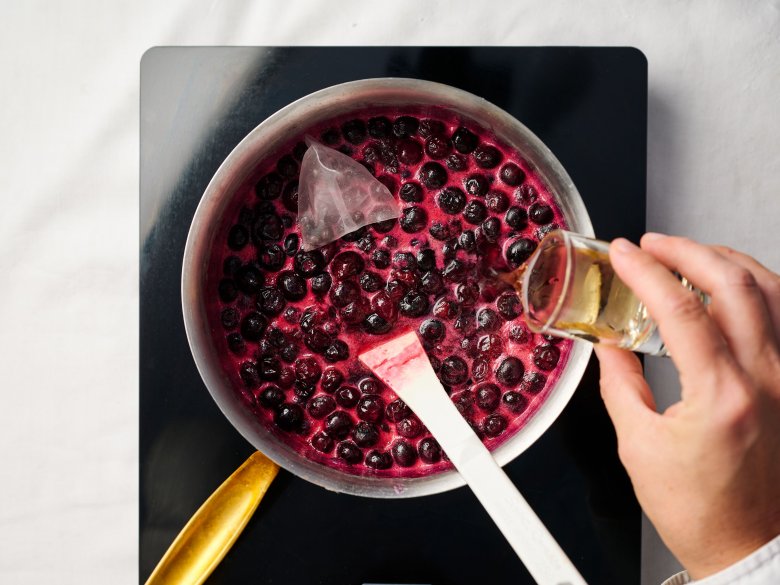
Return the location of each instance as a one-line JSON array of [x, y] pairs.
[[695, 343]]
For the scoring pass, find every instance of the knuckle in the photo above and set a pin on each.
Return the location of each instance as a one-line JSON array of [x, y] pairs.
[[685, 306], [737, 276]]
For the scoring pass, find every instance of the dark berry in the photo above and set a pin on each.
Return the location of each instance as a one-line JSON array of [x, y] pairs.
[[238, 237], [321, 283], [307, 370], [480, 368], [429, 450], [431, 283], [438, 147], [464, 140], [317, 340], [308, 264], [494, 425], [381, 258], [453, 371], [413, 219], [488, 320], [230, 265], [508, 305], [546, 357], [344, 293], [511, 174], [349, 452], [404, 454], [455, 271], [405, 126], [446, 309], [487, 157], [381, 227], [321, 406], [552, 339], [370, 385], [376, 325], [379, 460], [464, 402], [337, 351], [370, 408], [303, 391], [271, 257], [287, 167], [269, 187], [268, 226], [411, 192], [249, 279], [347, 396], [365, 434], [456, 162], [515, 402], [354, 131], [346, 265], [291, 243], [490, 345], [409, 151], [451, 200], [230, 318], [491, 229], [475, 212], [331, 380], [289, 353], [430, 127], [467, 241], [414, 304], [433, 175], [249, 374], [440, 231], [397, 411], [338, 424], [409, 427], [533, 382], [289, 417], [331, 137], [370, 282], [379, 127], [322, 442], [253, 326], [270, 301], [516, 218], [488, 397], [290, 197], [383, 305], [476, 185], [404, 261], [269, 367], [271, 396], [540, 214], [293, 287], [510, 371], [466, 323], [236, 344], [357, 234], [432, 330], [497, 202]]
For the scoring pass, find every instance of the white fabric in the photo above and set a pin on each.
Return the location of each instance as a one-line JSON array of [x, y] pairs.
[[69, 219], [762, 567]]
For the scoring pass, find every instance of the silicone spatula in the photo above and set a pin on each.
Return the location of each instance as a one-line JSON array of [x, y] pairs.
[[402, 364]]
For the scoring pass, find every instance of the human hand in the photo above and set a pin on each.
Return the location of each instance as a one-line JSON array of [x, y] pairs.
[[707, 470]]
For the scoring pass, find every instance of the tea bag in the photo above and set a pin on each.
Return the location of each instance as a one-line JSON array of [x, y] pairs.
[[337, 195]]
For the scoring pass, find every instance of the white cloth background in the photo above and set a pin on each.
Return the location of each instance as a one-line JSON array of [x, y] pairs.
[[69, 214]]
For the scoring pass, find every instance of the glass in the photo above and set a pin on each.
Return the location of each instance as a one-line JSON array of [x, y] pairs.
[[569, 289]]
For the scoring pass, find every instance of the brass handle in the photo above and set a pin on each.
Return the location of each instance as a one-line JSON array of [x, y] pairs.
[[214, 528]]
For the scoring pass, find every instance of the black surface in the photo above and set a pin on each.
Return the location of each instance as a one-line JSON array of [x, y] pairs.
[[589, 106]]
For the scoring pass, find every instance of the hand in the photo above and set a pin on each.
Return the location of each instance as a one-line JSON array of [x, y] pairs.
[[707, 470]]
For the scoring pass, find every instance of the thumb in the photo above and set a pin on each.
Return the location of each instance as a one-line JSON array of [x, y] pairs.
[[624, 390]]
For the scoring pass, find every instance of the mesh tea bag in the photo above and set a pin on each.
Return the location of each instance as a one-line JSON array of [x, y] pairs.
[[337, 195]]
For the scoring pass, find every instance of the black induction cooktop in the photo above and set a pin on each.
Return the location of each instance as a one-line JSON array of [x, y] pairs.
[[589, 105]]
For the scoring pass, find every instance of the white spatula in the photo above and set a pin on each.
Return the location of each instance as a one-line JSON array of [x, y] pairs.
[[401, 363]]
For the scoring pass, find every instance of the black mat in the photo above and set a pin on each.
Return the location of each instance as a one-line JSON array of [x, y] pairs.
[[589, 105]]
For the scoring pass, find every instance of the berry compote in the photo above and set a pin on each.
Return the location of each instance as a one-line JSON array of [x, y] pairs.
[[290, 324]]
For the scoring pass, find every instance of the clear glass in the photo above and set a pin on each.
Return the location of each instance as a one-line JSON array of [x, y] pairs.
[[569, 289]]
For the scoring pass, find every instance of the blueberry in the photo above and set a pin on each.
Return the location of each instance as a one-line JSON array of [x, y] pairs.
[[404, 454], [307, 370], [457, 162], [347, 396], [376, 325], [546, 357], [270, 301], [346, 265], [269, 187], [508, 305], [519, 251], [511, 174], [370, 385], [494, 425], [409, 427], [497, 202], [490, 346], [476, 185], [451, 200], [269, 367], [379, 127], [288, 417], [413, 219], [365, 434], [230, 265], [467, 294], [455, 271], [349, 452], [338, 424], [290, 196], [379, 460], [307, 264], [491, 229], [287, 167], [488, 397], [433, 175], [431, 283], [487, 157], [317, 340], [430, 128], [488, 320], [380, 227], [397, 411], [271, 257], [330, 137], [322, 442], [440, 231], [303, 391], [229, 318], [467, 241], [370, 408], [331, 380], [253, 326], [405, 126], [429, 450], [289, 353], [510, 371], [337, 351], [516, 218], [291, 243], [344, 293], [464, 140], [249, 279], [519, 334], [249, 374], [438, 147], [384, 306], [236, 344], [533, 382], [404, 261], [409, 151], [370, 282], [321, 283], [227, 290], [453, 371], [268, 226], [355, 235], [515, 402], [414, 304], [475, 212], [238, 237], [354, 131], [293, 287], [540, 214], [411, 192], [271, 396], [381, 258]]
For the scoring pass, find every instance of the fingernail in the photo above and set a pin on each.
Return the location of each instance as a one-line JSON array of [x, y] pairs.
[[653, 236], [623, 246]]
